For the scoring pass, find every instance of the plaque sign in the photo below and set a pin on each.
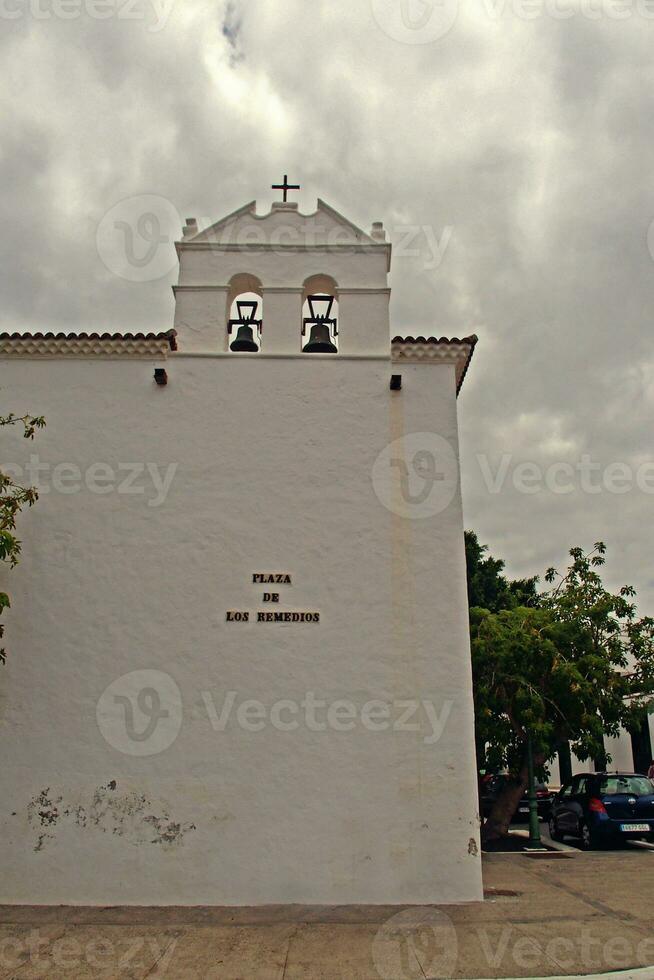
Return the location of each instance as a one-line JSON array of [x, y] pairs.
[[272, 597]]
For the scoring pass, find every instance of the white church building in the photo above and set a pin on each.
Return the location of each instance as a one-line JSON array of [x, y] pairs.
[[238, 655]]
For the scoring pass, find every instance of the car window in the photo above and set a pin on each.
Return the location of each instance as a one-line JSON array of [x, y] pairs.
[[566, 791], [634, 785], [582, 785]]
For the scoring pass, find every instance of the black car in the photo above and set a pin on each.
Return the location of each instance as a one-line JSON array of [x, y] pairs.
[[492, 786], [604, 807]]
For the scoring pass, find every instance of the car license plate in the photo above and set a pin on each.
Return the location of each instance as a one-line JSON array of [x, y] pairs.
[[641, 828], [523, 809]]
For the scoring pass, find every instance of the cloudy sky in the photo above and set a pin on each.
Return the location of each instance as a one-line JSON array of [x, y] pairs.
[[507, 146]]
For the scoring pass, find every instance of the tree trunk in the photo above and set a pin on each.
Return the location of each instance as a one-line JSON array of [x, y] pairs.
[[499, 820]]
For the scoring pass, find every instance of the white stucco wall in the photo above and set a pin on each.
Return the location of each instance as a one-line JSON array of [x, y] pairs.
[[274, 459], [621, 751], [280, 266]]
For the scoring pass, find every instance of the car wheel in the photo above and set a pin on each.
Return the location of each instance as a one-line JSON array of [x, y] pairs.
[[589, 840], [555, 833]]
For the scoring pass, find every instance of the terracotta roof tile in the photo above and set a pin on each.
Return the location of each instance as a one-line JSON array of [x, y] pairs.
[[472, 340], [169, 335]]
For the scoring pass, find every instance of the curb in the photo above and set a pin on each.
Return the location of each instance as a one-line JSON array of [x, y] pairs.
[[644, 973], [555, 850], [558, 846]]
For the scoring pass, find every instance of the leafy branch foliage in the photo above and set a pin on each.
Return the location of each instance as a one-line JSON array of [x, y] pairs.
[[13, 498]]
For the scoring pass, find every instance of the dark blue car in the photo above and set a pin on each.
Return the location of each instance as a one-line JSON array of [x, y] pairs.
[[604, 807]]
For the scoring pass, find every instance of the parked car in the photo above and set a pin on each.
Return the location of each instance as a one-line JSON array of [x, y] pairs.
[[491, 787], [604, 807]]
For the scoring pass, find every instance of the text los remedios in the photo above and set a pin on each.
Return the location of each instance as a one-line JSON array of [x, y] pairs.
[[268, 578]]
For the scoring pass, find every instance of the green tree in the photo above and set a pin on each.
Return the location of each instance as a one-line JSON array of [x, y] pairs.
[[575, 667], [490, 590], [13, 498], [487, 587]]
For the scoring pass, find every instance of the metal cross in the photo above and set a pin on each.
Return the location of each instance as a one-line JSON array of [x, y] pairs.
[[286, 187]]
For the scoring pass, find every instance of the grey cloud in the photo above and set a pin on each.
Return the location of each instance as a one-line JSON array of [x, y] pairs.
[[531, 141]]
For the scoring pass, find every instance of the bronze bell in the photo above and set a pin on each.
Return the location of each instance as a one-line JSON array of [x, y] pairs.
[[320, 338], [244, 340], [320, 341], [246, 323]]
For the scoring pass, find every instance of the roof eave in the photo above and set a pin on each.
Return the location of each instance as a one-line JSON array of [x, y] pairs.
[[437, 350]]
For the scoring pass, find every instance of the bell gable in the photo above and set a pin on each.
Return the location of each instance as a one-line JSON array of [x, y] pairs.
[[284, 225]]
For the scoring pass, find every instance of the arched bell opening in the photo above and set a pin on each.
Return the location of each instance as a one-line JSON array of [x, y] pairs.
[[245, 314], [320, 316]]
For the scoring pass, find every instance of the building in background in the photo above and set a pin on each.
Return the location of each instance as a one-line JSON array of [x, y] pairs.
[[630, 752]]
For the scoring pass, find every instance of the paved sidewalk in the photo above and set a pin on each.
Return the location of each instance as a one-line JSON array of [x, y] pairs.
[[591, 913]]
